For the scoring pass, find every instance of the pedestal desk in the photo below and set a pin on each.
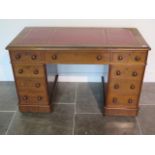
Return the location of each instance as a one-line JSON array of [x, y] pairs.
[[123, 49]]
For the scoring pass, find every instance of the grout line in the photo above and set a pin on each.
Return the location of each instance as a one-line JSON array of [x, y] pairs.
[[10, 123], [147, 104], [75, 100], [90, 113], [139, 127], [63, 103], [7, 111]]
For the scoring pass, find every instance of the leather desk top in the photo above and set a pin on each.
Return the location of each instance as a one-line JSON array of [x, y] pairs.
[[69, 37]]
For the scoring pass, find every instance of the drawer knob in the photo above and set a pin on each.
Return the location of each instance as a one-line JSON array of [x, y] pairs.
[[54, 57], [116, 86], [137, 58], [37, 85], [120, 57], [25, 98], [118, 73], [134, 74], [130, 100], [114, 100], [39, 98], [20, 71], [18, 56], [99, 57], [33, 57], [36, 71], [132, 86]]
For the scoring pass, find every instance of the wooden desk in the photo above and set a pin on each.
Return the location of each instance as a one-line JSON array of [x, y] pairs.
[[124, 49]]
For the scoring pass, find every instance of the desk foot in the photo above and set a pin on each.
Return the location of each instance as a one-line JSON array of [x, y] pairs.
[[33, 108], [120, 112]]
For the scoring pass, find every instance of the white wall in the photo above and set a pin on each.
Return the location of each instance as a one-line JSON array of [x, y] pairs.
[[10, 28]]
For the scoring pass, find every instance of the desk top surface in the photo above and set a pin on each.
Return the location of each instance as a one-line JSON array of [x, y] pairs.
[[78, 37]]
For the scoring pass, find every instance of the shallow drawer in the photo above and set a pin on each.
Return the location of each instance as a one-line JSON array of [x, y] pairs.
[[37, 98], [124, 87], [134, 72], [29, 70], [118, 101], [138, 57], [78, 57], [27, 57], [31, 84], [129, 57]]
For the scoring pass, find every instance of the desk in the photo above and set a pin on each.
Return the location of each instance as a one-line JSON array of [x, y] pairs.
[[123, 49]]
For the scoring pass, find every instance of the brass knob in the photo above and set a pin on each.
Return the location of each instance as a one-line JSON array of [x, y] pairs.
[[118, 73], [116, 86], [99, 57], [54, 57], [134, 74], [37, 85], [114, 100], [130, 100], [36, 71], [18, 56], [39, 98], [25, 97], [33, 57], [120, 57], [132, 86], [137, 58], [20, 71]]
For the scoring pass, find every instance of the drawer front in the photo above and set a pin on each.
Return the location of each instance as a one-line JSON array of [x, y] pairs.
[[129, 57], [78, 57], [117, 101], [127, 72], [124, 87], [138, 57], [31, 84], [120, 57], [29, 71], [29, 98], [27, 57]]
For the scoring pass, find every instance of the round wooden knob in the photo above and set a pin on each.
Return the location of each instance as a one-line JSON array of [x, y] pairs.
[[116, 86], [130, 100], [18, 56], [36, 71], [25, 97], [20, 71], [54, 57], [120, 57], [99, 57], [114, 100], [39, 98], [33, 57], [37, 85], [137, 58], [134, 74], [118, 73], [132, 86]]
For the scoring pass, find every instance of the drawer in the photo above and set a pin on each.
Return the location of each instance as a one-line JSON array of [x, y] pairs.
[[118, 101], [31, 84], [124, 87], [127, 72], [120, 57], [78, 57], [27, 57], [29, 70], [37, 98], [138, 57], [129, 57]]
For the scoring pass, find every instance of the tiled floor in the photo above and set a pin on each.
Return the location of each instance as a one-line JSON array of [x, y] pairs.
[[77, 110]]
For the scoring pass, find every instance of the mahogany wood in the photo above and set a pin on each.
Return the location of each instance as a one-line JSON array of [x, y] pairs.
[[124, 49]]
